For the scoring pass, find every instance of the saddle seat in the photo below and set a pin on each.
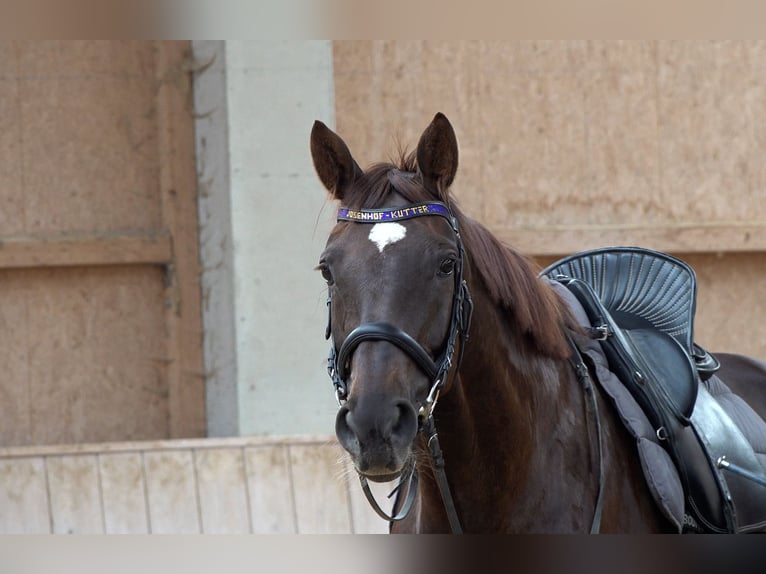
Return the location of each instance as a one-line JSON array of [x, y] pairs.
[[640, 306]]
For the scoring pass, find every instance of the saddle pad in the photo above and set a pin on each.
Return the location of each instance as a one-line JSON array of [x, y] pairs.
[[659, 471]]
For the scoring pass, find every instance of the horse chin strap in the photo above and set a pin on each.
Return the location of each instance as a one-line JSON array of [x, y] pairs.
[[338, 362]]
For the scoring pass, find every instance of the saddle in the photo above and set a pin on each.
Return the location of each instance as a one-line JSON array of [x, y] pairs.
[[640, 305]]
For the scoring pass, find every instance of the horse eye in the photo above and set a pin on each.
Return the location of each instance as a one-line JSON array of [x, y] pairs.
[[447, 267], [325, 271]]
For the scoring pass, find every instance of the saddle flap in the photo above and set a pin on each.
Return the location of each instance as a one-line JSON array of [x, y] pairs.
[[679, 383], [722, 437]]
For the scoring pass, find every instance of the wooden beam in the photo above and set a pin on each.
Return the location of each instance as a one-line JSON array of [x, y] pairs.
[[18, 252], [713, 237], [178, 181]]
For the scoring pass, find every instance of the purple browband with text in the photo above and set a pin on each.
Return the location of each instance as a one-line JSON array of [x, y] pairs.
[[393, 214]]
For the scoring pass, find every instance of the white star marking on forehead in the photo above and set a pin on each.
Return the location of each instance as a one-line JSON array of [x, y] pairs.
[[383, 234]]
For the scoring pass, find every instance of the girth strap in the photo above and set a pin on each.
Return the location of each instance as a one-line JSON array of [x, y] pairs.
[[391, 334], [583, 377]]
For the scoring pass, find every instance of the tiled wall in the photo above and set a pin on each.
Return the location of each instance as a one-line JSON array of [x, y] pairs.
[[211, 486]]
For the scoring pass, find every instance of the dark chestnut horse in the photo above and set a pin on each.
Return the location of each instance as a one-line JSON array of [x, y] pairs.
[[516, 428]]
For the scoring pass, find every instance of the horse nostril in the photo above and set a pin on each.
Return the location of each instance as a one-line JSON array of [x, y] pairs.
[[405, 424], [345, 431]]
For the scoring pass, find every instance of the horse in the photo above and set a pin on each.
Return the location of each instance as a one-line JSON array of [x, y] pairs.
[[436, 324]]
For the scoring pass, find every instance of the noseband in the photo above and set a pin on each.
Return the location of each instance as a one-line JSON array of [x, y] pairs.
[[437, 370]]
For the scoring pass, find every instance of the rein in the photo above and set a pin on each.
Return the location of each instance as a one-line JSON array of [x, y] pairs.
[[339, 360]]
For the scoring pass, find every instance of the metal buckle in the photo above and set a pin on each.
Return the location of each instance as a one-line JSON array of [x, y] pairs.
[[340, 396], [428, 406], [602, 331]]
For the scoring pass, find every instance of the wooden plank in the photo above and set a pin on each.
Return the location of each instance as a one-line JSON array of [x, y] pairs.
[[19, 252], [222, 488], [208, 485], [124, 493], [272, 508], [24, 497], [95, 368], [88, 142], [178, 189], [677, 238], [161, 445], [16, 341], [83, 360], [75, 498], [172, 492], [12, 196], [319, 487], [731, 307]]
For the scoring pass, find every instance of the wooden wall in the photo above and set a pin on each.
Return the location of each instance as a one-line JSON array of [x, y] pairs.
[[287, 485], [571, 145], [99, 291]]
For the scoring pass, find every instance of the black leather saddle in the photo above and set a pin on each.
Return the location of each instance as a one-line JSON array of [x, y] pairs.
[[641, 303], [641, 306]]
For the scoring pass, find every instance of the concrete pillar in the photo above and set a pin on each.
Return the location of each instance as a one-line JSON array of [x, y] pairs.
[[263, 219]]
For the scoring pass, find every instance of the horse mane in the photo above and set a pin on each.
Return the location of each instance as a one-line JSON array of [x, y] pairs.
[[510, 278]]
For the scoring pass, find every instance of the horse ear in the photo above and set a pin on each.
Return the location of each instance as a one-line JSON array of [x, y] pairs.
[[333, 162], [437, 156]]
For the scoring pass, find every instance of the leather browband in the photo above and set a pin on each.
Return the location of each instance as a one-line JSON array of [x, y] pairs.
[[394, 213]]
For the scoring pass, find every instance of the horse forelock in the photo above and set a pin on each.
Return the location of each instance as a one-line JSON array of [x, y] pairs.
[[370, 190], [511, 279]]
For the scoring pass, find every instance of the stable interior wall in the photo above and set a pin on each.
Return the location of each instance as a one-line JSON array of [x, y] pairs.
[[99, 292], [573, 145]]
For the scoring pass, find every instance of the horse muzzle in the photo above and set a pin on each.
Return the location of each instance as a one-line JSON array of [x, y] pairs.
[[379, 437]]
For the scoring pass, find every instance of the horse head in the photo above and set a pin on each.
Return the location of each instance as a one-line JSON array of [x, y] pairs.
[[396, 293]]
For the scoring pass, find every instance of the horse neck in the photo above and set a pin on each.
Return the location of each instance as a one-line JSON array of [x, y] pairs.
[[497, 420], [505, 385]]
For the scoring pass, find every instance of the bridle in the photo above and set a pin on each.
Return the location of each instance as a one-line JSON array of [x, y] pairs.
[[338, 362], [462, 306]]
